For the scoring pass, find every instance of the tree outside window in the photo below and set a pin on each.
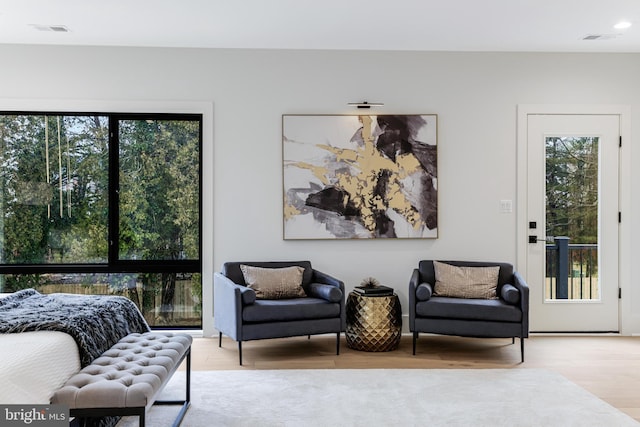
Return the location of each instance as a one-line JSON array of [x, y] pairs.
[[105, 203]]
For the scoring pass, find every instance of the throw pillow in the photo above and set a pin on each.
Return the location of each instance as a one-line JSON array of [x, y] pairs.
[[465, 282], [274, 283]]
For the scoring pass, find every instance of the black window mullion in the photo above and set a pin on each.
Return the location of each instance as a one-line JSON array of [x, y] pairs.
[[114, 189], [201, 192]]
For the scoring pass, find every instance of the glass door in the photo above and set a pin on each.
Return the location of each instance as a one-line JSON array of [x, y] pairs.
[[572, 252]]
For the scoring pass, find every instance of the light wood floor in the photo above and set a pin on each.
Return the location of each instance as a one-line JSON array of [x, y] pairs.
[[607, 366]]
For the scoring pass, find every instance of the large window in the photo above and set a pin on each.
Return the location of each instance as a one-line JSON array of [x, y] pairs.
[[104, 204]]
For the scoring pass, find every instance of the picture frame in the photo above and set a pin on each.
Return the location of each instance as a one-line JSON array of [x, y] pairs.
[[360, 176]]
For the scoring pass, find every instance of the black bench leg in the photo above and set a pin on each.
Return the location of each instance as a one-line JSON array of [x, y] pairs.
[[219, 339], [522, 349], [240, 351], [185, 403], [188, 391], [338, 343], [415, 338]]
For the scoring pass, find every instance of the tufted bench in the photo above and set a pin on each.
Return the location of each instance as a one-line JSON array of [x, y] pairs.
[[126, 379]]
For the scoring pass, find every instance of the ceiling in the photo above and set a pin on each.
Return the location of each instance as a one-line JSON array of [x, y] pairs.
[[419, 25]]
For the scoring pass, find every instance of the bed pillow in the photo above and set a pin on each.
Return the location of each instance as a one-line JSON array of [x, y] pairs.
[[465, 282], [274, 283]]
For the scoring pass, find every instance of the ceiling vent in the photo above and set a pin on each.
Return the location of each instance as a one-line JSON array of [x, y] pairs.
[[54, 28], [599, 37]]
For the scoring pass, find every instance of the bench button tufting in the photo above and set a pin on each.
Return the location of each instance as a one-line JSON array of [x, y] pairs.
[[120, 374]]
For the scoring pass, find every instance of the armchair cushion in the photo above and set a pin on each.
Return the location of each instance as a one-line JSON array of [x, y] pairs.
[[274, 283], [465, 282], [469, 309], [326, 292], [424, 292], [288, 310], [510, 294]]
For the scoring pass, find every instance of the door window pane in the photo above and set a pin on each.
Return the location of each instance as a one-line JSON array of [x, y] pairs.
[[572, 218]]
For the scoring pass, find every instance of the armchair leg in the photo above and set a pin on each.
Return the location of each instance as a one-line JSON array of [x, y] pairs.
[[240, 351], [337, 343], [219, 339], [415, 338], [513, 340], [522, 349]]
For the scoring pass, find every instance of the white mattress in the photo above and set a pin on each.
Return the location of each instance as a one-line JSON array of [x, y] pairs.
[[35, 364]]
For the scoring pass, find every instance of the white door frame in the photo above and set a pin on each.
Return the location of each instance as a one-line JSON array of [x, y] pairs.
[[624, 188]]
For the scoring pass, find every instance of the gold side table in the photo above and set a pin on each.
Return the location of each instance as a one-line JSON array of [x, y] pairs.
[[374, 323]]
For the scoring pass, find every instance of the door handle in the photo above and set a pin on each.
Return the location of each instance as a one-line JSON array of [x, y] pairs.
[[534, 239]]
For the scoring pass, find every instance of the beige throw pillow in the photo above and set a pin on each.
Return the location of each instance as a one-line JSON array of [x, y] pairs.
[[465, 282], [274, 283]]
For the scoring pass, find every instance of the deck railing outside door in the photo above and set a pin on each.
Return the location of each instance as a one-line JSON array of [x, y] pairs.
[[571, 270]]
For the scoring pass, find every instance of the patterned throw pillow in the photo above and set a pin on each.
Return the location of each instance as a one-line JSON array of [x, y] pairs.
[[274, 283], [465, 282]]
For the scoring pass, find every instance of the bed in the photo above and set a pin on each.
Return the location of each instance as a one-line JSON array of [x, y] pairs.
[[44, 339], [35, 364]]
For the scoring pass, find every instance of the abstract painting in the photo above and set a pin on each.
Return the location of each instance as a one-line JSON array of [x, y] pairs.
[[360, 176]]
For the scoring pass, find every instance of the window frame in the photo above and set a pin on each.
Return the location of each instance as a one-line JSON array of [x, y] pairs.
[[113, 264]]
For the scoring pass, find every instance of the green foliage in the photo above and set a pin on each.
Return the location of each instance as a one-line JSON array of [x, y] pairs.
[[572, 188], [159, 190], [16, 282], [196, 290], [53, 187], [54, 200]]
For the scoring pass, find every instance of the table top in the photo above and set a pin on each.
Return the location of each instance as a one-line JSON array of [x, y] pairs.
[[373, 291]]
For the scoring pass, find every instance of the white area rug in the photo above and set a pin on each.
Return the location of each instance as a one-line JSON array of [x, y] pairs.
[[385, 397]]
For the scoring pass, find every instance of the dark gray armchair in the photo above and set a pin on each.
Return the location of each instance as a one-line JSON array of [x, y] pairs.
[[504, 317], [238, 314]]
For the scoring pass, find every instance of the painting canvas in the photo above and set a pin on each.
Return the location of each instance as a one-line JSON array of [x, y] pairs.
[[360, 176]]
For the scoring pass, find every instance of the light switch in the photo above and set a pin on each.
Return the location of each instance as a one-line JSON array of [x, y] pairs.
[[506, 206]]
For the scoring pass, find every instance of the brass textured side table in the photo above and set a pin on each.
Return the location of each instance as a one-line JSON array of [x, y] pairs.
[[374, 323]]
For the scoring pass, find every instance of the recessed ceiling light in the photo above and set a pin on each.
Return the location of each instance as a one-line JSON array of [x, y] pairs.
[[600, 36], [622, 25]]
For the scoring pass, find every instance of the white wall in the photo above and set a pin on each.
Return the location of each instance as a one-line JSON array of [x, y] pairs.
[[474, 94]]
